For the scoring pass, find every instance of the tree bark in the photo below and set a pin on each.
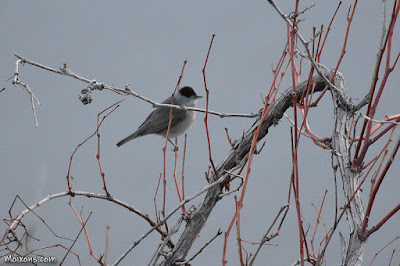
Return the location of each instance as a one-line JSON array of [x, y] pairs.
[[341, 148]]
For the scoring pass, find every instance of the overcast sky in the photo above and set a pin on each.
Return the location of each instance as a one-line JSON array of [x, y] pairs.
[[145, 43]]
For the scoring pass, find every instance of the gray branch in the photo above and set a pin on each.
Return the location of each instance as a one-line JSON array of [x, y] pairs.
[[341, 147], [93, 84]]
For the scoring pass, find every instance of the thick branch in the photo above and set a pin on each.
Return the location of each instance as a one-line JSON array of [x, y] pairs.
[[341, 148]]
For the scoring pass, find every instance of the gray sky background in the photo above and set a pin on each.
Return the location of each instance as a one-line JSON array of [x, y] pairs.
[[145, 43]]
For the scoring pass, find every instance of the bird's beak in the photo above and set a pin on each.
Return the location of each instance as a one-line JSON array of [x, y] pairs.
[[198, 97]]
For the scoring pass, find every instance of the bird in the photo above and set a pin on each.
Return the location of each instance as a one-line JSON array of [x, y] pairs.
[[158, 120]]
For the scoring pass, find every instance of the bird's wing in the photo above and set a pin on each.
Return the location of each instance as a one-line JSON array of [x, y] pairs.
[[158, 120]]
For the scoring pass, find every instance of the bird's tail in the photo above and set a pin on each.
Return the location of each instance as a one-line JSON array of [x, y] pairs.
[[128, 138]]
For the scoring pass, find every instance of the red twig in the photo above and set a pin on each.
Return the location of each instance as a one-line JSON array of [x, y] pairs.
[[98, 141], [372, 196], [98, 154], [84, 229], [376, 254], [349, 20], [327, 31], [359, 157], [183, 169], [175, 176], [317, 223], [239, 240], [291, 36], [206, 116], [166, 142], [227, 136], [379, 125], [155, 197], [271, 94]]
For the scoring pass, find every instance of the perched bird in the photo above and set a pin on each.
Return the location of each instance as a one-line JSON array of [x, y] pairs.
[[158, 120]]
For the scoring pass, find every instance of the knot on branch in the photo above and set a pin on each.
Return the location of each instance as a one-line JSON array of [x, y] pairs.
[[96, 85], [85, 96], [65, 69]]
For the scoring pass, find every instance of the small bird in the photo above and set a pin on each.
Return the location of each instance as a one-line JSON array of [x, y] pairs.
[[158, 120]]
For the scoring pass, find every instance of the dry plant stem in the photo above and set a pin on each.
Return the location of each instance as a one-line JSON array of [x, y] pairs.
[[17, 81], [391, 257], [317, 223], [377, 253], [201, 250], [384, 121], [97, 156], [335, 167], [206, 115], [183, 175], [165, 146], [64, 70], [367, 141], [327, 32], [175, 177], [51, 246], [176, 170], [227, 136], [155, 253], [239, 240], [116, 105], [155, 198], [57, 245], [84, 229], [106, 246], [291, 35], [266, 237], [364, 232], [359, 157], [227, 233], [73, 243]]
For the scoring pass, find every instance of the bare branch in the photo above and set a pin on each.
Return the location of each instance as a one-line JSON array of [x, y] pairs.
[[266, 237], [65, 70], [50, 197], [17, 81]]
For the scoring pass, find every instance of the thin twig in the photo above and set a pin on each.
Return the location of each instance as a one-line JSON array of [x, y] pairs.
[[173, 230], [266, 237], [202, 248]]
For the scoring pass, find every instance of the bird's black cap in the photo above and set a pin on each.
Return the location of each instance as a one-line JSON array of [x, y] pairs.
[[188, 92]]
